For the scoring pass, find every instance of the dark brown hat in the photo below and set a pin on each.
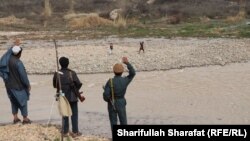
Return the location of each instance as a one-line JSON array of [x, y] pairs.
[[118, 68]]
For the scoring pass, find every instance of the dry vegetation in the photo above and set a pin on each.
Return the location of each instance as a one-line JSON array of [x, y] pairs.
[[12, 20], [238, 18], [88, 21], [120, 22]]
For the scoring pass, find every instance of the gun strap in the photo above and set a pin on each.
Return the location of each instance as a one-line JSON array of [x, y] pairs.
[[112, 89]]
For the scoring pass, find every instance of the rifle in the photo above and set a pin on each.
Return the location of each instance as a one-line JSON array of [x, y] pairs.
[[59, 86], [76, 92], [112, 93], [59, 91], [112, 99]]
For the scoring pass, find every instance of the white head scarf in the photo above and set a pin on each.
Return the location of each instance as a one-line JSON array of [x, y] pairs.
[[16, 50]]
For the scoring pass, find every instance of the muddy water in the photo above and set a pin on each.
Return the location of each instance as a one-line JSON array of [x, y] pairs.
[[206, 95]]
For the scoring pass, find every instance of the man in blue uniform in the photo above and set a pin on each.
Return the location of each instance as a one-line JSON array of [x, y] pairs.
[[16, 82], [115, 90]]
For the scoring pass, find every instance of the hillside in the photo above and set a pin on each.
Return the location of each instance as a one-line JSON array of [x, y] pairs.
[[128, 18]]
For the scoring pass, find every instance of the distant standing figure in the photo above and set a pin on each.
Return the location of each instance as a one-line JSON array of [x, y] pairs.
[[17, 42], [16, 82], [110, 48], [141, 47], [115, 90]]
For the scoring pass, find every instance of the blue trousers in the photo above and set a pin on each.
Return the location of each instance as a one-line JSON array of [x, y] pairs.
[[15, 105], [120, 112], [74, 119]]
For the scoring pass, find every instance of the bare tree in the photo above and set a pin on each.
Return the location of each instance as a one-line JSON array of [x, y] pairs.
[[71, 6], [243, 5], [242, 8], [47, 8], [47, 11]]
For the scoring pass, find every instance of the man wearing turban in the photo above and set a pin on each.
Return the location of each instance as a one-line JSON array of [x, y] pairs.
[[16, 81]]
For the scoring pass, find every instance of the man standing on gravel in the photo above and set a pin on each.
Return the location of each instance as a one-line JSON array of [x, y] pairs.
[[141, 47], [68, 79], [110, 48], [115, 90], [16, 81]]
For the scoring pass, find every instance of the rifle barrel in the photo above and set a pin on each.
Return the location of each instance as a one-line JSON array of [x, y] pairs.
[[57, 65]]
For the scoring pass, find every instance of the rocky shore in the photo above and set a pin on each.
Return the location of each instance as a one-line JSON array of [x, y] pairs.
[[91, 56], [36, 132]]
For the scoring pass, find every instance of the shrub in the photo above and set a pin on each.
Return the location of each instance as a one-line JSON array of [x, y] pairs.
[[87, 22]]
